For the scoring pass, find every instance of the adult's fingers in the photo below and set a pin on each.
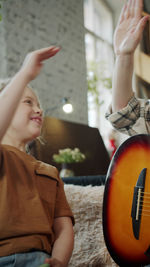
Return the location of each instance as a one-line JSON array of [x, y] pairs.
[[141, 25], [138, 7], [122, 14], [127, 12]]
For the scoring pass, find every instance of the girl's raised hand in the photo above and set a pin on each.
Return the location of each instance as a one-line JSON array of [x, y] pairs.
[[34, 61], [130, 27]]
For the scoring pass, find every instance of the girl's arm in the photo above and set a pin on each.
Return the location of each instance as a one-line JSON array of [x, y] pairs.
[[63, 245], [11, 94], [126, 38]]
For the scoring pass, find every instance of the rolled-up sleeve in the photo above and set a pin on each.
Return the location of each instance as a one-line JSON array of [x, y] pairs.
[[132, 119]]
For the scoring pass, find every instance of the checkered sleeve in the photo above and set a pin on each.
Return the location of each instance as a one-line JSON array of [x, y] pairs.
[[132, 119]]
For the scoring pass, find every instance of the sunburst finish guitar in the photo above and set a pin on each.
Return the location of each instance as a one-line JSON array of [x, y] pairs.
[[126, 203]]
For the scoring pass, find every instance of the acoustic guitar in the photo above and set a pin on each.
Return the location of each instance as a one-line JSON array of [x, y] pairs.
[[126, 203]]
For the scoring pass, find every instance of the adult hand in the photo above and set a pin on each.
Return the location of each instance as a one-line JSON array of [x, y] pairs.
[[34, 61], [130, 27]]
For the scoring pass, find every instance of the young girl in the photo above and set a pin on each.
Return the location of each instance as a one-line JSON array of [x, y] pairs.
[[35, 218], [127, 113]]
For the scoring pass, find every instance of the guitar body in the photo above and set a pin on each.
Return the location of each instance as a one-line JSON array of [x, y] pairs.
[[126, 203]]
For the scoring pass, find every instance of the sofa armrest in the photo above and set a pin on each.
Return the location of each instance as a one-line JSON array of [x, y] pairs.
[[94, 180]]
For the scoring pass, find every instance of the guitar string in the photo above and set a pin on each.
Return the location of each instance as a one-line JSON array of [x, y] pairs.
[[145, 193], [143, 214], [143, 210], [144, 204], [145, 201]]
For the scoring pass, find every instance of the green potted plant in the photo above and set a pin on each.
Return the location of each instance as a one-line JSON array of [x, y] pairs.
[[67, 156]]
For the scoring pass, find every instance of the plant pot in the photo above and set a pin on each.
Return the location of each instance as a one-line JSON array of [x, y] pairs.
[[66, 171]]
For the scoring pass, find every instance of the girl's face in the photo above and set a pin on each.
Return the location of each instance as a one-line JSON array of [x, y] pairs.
[[27, 121]]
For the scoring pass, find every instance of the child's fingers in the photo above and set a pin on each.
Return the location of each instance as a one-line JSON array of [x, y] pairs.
[[42, 54], [46, 53], [46, 49], [34, 60]]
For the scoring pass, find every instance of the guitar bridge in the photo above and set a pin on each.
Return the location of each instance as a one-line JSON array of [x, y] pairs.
[[136, 203]]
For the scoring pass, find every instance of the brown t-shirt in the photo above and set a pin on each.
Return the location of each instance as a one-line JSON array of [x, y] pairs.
[[31, 196]]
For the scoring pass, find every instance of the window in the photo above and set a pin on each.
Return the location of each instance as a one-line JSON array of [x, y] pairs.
[[100, 61]]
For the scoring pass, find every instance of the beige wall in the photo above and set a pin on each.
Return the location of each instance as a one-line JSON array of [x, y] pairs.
[[32, 24]]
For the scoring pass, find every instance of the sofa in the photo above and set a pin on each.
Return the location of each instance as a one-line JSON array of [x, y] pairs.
[[85, 196]]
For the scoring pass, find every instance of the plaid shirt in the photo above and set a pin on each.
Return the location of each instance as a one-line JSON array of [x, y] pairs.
[[132, 119]]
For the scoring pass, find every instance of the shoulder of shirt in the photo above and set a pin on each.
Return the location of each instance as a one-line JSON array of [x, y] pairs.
[[9, 148], [47, 169], [41, 167]]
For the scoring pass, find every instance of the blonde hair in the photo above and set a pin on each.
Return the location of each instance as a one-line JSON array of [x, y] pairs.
[[3, 83]]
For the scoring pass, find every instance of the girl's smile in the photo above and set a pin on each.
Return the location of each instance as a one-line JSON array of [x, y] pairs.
[[37, 119], [27, 122]]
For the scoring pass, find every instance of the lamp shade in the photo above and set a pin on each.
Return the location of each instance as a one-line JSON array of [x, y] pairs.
[[67, 108]]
